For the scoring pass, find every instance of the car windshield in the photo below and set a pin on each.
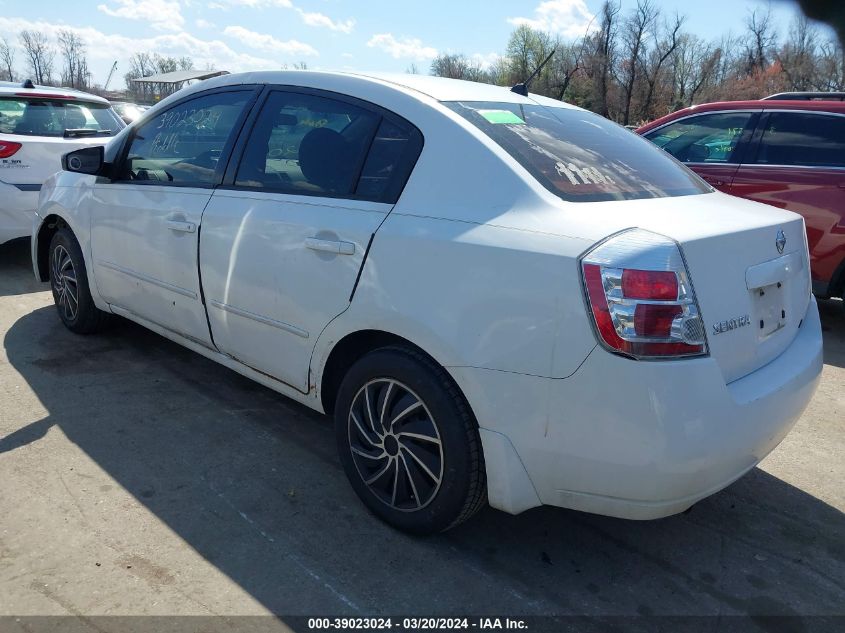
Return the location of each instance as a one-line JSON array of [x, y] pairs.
[[578, 155], [54, 117]]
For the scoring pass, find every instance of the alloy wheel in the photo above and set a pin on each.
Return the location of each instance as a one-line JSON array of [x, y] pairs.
[[65, 285], [395, 444]]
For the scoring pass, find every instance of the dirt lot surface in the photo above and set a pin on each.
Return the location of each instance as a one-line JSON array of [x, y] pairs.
[[139, 478]]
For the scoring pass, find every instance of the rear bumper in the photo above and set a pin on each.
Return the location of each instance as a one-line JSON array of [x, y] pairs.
[[17, 209], [637, 440]]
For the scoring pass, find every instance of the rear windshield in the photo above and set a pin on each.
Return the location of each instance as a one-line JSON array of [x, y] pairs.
[[578, 155], [54, 117]]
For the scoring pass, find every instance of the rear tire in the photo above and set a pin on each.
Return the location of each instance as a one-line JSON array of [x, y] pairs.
[[69, 282], [408, 442]]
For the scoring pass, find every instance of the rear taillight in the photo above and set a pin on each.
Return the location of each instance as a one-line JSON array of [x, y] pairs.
[[639, 292], [7, 148]]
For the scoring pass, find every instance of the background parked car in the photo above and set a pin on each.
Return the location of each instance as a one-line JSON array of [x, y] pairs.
[[128, 111], [787, 152], [38, 125]]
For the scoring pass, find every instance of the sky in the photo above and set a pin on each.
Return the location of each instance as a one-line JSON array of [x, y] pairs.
[[375, 35]]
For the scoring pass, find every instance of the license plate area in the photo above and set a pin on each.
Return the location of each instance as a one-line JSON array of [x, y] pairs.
[[769, 309]]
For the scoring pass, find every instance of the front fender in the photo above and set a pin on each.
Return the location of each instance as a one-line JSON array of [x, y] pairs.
[[64, 200]]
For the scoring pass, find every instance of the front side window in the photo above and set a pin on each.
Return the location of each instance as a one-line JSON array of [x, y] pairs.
[[183, 145], [578, 155], [811, 140], [307, 144], [31, 116], [709, 138]]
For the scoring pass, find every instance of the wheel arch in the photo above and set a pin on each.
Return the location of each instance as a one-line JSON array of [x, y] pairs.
[[341, 355], [49, 226], [509, 487]]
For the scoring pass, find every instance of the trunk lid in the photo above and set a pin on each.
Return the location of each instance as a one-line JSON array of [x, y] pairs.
[[752, 295], [741, 277]]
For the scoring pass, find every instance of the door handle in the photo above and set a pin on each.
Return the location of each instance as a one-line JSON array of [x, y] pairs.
[[184, 227], [330, 246], [714, 181]]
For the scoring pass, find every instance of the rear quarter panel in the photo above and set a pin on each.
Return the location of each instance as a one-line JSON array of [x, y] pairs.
[[473, 296]]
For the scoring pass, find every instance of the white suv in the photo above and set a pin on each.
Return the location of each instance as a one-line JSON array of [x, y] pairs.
[[499, 297], [37, 125]]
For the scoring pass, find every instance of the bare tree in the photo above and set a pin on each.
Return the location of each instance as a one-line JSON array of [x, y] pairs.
[[695, 64], [634, 31], [566, 63], [663, 48], [165, 64], [831, 65], [75, 66], [760, 40], [798, 55], [7, 59], [638, 66], [448, 65], [604, 56], [140, 65], [39, 56]]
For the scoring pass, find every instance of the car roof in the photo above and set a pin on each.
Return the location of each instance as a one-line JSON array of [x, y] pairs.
[[439, 88], [837, 107], [16, 88]]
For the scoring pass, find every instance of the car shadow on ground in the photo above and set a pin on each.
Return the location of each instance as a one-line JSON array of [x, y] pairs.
[[250, 480], [15, 266]]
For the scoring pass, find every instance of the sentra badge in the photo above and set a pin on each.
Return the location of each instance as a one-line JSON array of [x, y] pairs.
[[731, 324]]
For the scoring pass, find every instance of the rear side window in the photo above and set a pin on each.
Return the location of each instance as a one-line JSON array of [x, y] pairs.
[[56, 117], [308, 144], [393, 152], [709, 138], [578, 155], [183, 145], [793, 138]]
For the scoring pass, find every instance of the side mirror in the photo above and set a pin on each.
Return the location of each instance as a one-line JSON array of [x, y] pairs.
[[88, 160]]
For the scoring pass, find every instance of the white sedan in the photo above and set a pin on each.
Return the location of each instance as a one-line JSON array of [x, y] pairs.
[[499, 298]]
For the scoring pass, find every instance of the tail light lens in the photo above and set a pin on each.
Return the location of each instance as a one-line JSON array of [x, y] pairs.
[[641, 298], [8, 148]]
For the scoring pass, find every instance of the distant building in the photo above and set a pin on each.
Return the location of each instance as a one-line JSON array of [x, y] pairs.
[[155, 87]]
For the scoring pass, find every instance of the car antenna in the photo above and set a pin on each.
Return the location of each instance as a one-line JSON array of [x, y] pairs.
[[522, 88], [27, 84]]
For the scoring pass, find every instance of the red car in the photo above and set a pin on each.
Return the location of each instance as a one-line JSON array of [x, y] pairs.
[[785, 152]]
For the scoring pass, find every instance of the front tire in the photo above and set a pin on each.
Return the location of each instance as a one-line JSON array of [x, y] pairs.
[[408, 442], [69, 283]]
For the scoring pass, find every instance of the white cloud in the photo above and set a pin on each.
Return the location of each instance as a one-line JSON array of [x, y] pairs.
[[324, 21], [252, 4], [308, 17], [486, 61], [569, 18], [204, 24], [406, 47], [347, 55], [105, 48], [160, 14], [268, 43]]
